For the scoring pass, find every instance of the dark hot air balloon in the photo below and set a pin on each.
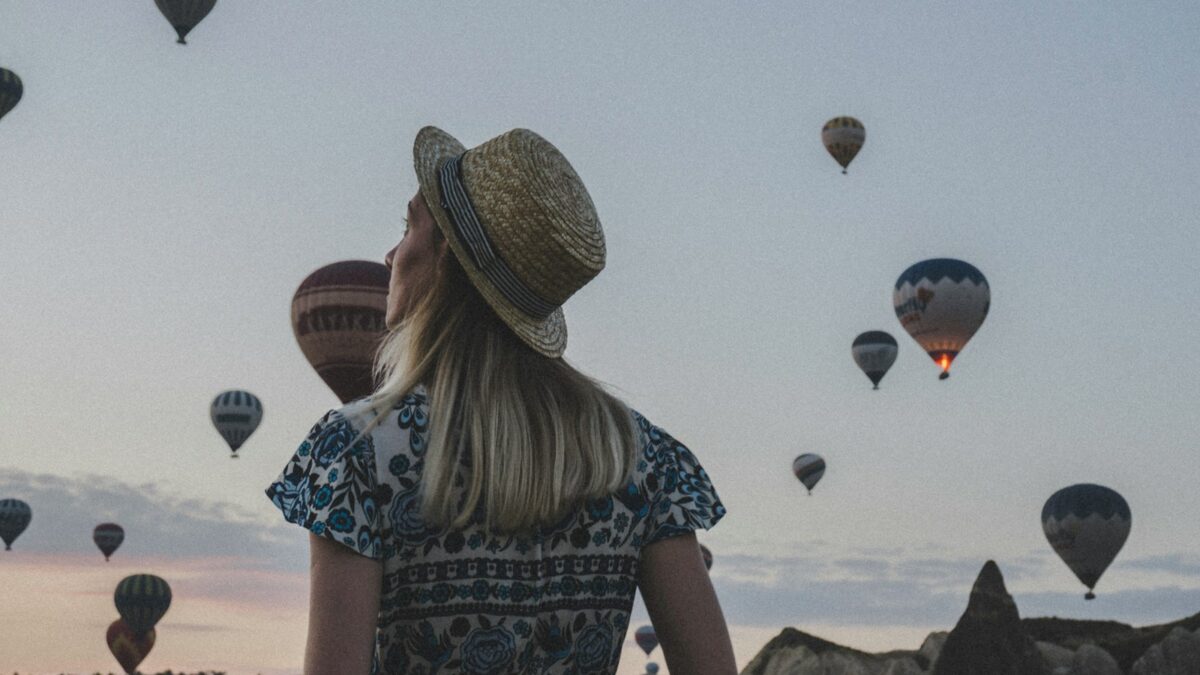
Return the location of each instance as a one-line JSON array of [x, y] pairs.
[[11, 90], [941, 303], [338, 317], [236, 415], [108, 537], [184, 14], [1086, 526], [874, 351], [142, 599], [14, 518], [809, 468], [129, 648], [646, 638], [843, 138]]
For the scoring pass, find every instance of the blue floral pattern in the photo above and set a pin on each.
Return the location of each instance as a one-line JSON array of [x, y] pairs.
[[470, 601]]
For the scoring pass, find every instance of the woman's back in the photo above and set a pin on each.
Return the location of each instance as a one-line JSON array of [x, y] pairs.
[[556, 600]]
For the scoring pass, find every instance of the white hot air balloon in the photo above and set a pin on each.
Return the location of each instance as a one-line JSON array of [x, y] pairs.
[[236, 415], [874, 351], [941, 303]]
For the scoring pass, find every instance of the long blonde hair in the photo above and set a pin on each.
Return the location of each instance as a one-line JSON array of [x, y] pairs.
[[526, 437]]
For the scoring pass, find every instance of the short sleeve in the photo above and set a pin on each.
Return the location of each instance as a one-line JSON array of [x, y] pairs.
[[681, 496], [328, 486]]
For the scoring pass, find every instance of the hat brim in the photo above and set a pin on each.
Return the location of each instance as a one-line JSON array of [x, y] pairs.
[[546, 336]]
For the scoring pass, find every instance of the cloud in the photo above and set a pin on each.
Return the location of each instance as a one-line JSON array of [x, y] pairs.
[[1174, 563]]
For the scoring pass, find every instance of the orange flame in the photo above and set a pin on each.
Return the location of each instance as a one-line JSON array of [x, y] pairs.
[[944, 362]]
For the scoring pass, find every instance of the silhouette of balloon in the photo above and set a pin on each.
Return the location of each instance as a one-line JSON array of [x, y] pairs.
[[108, 537], [129, 648], [184, 14], [646, 638], [11, 91], [941, 303], [843, 138], [809, 468], [1086, 526], [236, 415], [652, 668], [338, 318], [142, 599], [14, 518], [874, 351]]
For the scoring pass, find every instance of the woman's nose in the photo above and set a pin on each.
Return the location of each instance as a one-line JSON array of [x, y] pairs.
[[387, 259]]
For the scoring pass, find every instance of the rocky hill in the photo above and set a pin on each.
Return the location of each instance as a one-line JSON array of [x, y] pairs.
[[991, 639]]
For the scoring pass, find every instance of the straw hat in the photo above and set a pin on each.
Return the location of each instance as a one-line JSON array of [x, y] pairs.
[[521, 223]]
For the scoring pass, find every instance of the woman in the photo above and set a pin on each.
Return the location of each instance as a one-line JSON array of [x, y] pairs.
[[490, 509]]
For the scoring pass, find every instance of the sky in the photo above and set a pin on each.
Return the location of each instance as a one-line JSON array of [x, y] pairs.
[[162, 203]]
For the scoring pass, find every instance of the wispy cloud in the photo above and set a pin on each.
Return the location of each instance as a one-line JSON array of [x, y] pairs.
[[1175, 563]]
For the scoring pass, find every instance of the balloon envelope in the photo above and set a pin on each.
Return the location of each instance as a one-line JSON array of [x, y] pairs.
[[236, 415], [707, 555], [941, 303], [646, 638], [843, 138], [14, 518], [338, 319], [652, 668], [184, 14], [129, 648], [1086, 526], [11, 90], [108, 537], [142, 599], [809, 468], [874, 351]]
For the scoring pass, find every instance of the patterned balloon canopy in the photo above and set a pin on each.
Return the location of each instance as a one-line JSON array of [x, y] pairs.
[[14, 518], [646, 638], [338, 317], [874, 351], [1086, 526], [142, 599], [108, 537], [184, 14], [843, 138], [236, 414], [129, 648], [809, 468], [941, 303], [11, 90]]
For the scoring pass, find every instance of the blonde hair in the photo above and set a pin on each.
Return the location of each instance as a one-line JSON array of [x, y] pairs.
[[524, 437]]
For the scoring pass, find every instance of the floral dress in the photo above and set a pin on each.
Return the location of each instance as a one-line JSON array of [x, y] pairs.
[[467, 601]]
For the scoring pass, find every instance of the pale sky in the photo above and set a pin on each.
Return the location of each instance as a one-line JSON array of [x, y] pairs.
[[162, 203]]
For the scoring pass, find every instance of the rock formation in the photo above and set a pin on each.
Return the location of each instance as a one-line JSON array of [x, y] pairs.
[[1177, 654], [988, 639], [1092, 660]]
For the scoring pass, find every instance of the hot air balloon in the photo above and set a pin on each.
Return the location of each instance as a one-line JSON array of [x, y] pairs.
[[236, 415], [941, 303], [1086, 525], [646, 638], [128, 647], [142, 599], [108, 538], [10, 91], [874, 351], [14, 518], [652, 668], [707, 555], [809, 468], [338, 318], [184, 14], [843, 138]]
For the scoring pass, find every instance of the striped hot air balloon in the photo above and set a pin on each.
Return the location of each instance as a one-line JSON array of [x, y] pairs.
[[338, 318], [11, 90], [184, 14], [843, 138], [1086, 526], [941, 303], [236, 414], [108, 537], [129, 648], [874, 351], [14, 518], [142, 599], [809, 468], [646, 638]]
